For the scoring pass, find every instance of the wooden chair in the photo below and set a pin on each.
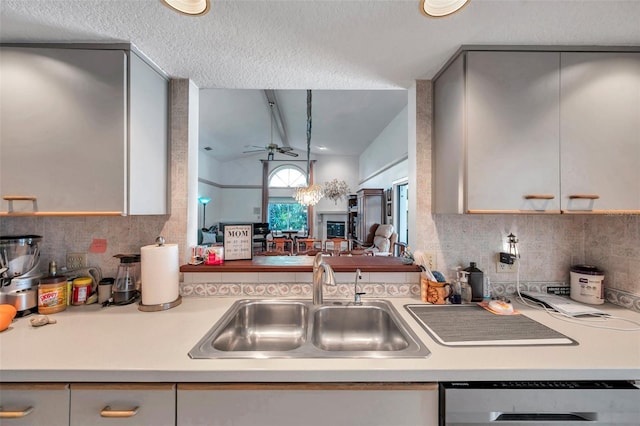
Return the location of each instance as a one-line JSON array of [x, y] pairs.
[[336, 244], [303, 245], [283, 245]]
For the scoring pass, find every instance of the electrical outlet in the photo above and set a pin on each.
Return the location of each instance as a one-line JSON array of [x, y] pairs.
[[76, 261], [430, 257], [504, 267]]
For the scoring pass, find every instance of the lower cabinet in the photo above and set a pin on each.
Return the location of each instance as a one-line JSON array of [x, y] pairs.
[[309, 404], [237, 404], [123, 404], [37, 404]]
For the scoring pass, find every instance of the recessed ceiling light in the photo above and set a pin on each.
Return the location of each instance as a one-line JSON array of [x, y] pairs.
[[439, 8], [188, 7], [207, 148]]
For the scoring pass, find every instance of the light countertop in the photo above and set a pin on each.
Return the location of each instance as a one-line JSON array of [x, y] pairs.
[[123, 344]]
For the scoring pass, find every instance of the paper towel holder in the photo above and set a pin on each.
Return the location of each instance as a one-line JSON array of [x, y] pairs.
[[161, 306]]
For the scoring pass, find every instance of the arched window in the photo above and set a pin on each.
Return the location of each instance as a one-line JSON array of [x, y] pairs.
[[284, 213], [287, 177]]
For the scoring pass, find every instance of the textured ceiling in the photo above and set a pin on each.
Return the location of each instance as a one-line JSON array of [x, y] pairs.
[[316, 44], [308, 44]]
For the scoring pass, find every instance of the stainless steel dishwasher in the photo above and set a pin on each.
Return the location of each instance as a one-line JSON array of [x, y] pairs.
[[540, 403]]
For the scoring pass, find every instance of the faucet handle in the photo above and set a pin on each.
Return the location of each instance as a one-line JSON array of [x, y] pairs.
[[357, 299]]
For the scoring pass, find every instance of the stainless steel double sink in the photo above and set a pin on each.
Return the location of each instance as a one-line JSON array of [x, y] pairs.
[[298, 329]]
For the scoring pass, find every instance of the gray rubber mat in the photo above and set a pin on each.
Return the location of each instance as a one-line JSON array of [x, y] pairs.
[[470, 325]]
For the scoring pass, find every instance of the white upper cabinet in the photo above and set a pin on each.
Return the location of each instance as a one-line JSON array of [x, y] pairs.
[[83, 132], [600, 131], [512, 130], [537, 131]]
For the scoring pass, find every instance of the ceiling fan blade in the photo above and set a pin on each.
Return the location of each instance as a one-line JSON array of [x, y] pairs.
[[292, 154], [282, 149], [254, 150]]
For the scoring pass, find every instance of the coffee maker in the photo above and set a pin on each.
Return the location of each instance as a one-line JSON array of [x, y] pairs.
[[19, 275], [126, 288]]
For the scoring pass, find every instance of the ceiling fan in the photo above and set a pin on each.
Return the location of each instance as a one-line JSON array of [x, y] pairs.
[[272, 148]]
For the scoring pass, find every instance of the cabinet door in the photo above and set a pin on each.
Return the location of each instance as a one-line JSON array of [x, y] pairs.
[[449, 140], [600, 131], [63, 132], [308, 404], [34, 404], [512, 133], [123, 404], [148, 147]]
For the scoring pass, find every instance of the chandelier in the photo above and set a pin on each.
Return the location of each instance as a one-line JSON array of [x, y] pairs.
[[336, 190], [311, 194]]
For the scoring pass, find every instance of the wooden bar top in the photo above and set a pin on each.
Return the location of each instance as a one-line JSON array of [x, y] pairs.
[[305, 264]]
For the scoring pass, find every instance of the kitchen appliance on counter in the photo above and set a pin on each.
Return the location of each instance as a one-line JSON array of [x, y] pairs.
[[539, 403], [126, 286], [19, 275], [587, 284]]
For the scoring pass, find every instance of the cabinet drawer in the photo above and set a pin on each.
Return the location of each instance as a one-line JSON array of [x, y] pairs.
[[123, 404], [34, 404]]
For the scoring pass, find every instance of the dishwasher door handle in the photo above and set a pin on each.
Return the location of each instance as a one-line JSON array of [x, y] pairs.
[[544, 417]]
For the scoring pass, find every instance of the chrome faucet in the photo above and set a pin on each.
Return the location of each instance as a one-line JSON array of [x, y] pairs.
[[356, 294], [319, 267]]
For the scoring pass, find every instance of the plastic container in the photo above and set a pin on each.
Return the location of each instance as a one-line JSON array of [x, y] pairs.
[[465, 289], [81, 290], [52, 295], [104, 289], [476, 281], [214, 255]]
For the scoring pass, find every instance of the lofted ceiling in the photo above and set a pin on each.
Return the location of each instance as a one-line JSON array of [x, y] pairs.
[[357, 55], [344, 122]]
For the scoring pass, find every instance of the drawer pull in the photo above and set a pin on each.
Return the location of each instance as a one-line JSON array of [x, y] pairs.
[[108, 412], [19, 198], [11, 198], [539, 197], [584, 196], [15, 414]]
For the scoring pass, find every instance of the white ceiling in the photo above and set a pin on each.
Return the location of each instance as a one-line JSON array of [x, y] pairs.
[[309, 44]]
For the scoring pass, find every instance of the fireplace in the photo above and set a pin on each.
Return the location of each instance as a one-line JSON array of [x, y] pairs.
[[335, 229]]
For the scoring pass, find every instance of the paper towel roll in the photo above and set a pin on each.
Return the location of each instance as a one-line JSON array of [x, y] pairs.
[[160, 274]]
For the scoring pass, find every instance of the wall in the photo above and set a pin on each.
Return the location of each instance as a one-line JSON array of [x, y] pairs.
[[235, 196], [387, 149]]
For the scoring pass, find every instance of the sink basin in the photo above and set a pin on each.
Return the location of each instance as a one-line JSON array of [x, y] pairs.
[[258, 326], [357, 328], [298, 329]]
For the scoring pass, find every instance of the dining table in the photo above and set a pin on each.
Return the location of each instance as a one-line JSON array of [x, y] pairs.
[[290, 232]]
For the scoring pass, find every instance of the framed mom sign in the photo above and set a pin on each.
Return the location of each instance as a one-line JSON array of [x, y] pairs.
[[238, 241]]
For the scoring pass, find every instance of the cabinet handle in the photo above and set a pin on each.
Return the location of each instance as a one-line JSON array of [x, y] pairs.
[[11, 198], [584, 196], [15, 414], [539, 197], [19, 198], [108, 412]]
